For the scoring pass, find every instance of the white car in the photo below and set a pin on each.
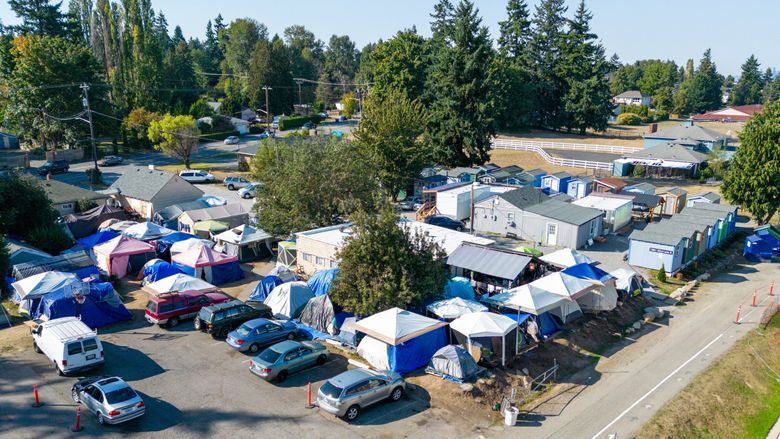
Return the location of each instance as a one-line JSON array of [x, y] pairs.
[[196, 176], [232, 140], [70, 344], [248, 191]]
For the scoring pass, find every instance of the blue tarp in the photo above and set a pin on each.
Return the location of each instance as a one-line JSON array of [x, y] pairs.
[[320, 282], [587, 271], [417, 352], [85, 272], [768, 237], [519, 318], [100, 308], [94, 239], [159, 270], [164, 243], [225, 273], [264, 288], [547, 324], [459, 287]]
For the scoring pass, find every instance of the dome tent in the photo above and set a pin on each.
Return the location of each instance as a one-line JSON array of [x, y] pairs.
[[288, 299], [157, 269], [321, 281], [459, 287], [264, 288], [318, 314], [566, 258], [454, 363]]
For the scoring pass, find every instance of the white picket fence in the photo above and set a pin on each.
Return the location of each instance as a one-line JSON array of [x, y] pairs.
[[524, 145]]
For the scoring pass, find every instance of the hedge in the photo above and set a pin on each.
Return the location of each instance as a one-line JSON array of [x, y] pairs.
[[629, 119], [289, 123]]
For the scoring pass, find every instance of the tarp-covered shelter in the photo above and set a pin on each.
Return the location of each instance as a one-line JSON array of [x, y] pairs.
[[566, 258], [157, 269], [179, 282], [212, 266], [146, 231], [453, 308], [34, 287], [96, 305], [459, 287], [288, 299], [287, 254], [119, 226], [454, 363], [283, 273], [97, 238], [169, 217], [400, 340], [264, 287], [123, 255], [604, 297], [318, 314], [165, 243], [78, 263], [86, 223], [627, 281], [246, 242], [188, 244], [483, 329], [321, 281]]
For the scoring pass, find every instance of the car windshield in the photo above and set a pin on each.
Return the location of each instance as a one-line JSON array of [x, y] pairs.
[[269, 356], [243, 330], [205, 314], [120, 395], [151, 307], [331, 390]]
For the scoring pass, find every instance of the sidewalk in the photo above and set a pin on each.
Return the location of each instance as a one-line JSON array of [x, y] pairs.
[[774, 433]]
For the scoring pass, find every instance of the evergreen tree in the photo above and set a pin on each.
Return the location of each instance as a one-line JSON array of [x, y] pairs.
[[704, 90], [515, 32], [342, 60], [39, 17], [399, 64], [749, 88], [180, 79], [517, 97], [243, 35], [772, 92], [270, 65], [546, 47]]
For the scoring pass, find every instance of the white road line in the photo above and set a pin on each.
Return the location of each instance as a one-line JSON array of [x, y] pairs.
[[753, 308], [649, 392]]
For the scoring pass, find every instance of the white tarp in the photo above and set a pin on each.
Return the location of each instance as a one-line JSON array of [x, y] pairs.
[[455, 307], [288, 299], [42, 283], [528, 299], [624, 278], [604, 298], [183, 246], [179, 282], [395, 325], [566, 258], [146, 231], [375, 352], [483, 324], [565, 285]]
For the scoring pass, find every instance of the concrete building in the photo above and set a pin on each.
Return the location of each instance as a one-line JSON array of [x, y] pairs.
[[616, 208], [147, 190]]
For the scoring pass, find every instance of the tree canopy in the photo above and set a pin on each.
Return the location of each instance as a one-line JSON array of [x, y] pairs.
[[176, 136]]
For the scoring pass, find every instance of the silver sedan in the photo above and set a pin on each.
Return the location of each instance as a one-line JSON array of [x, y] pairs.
[[110, 398]]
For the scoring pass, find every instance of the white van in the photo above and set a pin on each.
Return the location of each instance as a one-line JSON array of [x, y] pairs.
[[69, 343]]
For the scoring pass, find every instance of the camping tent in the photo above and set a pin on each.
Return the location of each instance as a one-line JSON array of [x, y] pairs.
[[100, 306], [565, 285], [86, 223], [400, 340], [283, 273], [88, 242], [455, 307], [157, 269], [179, 282], [318, 314], [604, 297], [288, 299], [455, 363], [122, 255], [626, 281], [459, 287], [566, 258], [34, 287], [77, 262], [320, 282], [187, 244], [287, 256], [146, 231], [479, 326], [347, 332], [246, 242], [529, 299], [165, 243], [203, 262], [264, 288]]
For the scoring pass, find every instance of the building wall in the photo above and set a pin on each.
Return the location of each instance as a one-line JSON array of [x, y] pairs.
[[568, 235], [143, 208], [176, 191], [65, 208], [314, 255], [651, 255]]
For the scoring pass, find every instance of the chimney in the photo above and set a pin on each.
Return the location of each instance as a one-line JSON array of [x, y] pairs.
[[653, 128]]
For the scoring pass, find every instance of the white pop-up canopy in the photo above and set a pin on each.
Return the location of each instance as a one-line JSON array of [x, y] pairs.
[[183, 246], [395, 325], [455, 307], [566, 285], [528, 299], [485, 324], [42, 283], [146, 231], [179, 282], [566, 258]]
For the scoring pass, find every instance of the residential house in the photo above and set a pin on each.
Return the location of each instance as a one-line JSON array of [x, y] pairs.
[[701, 138], [169, 217], [507, 175], [632, 97], [461, 174], [640, 188], [580, 186], [64, 196], [706, 197], [666, 160], [233, 215], [147, 191], [558, 182], [492, 269], [608, 184], [738, 113], [616, 208], [240, 125], [674, 200], [247, 114], [534, 176]]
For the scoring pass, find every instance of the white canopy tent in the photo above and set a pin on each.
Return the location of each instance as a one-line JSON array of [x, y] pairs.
[[485, 324], [565, 285], [179, 282], [455, 307], [183, 246], [566, 258], [288, 299], [246, 242], [395, 325], [528, 299], [146, 231]]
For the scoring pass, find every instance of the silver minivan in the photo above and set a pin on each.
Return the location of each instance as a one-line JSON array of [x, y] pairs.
[[346, 394]]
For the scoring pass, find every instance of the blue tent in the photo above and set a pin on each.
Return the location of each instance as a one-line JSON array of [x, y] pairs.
[[101, 306], [459, 287], [94, 239], [417, 352], [320, 282], [587, 271], [159, 270], [547, 324], [164, 243], [264, 288]]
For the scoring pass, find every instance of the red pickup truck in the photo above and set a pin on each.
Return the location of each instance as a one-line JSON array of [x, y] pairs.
[[172, 308]]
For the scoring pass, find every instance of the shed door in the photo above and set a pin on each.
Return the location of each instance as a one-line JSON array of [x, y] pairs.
[[552, 234]]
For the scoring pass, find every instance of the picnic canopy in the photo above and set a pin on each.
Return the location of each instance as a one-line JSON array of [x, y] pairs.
[[264, 287], [604, 297], [78, 262], [484, 328], [566, 258], [453, 308], [179, 282], [288, 299], [146, 231], [459, 287], [320, 282], [455, 363], [97, 305], [86, 223], [565, 285], [528, 299], [28, 290], [400, 340], [203, 262], [122, 255], [318, 314], [118, 226], [157, 269], [246, 242]]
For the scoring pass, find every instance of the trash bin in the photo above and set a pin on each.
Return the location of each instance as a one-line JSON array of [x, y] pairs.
[[510, 415]]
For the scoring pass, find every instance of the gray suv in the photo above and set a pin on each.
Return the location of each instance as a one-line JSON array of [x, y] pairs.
[[234, 182], [346, 394]]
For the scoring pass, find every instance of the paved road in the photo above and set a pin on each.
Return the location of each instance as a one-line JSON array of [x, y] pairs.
[[628, 386], [583, 155]]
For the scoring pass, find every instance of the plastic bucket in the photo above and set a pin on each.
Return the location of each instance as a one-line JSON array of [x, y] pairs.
[[510, 415]]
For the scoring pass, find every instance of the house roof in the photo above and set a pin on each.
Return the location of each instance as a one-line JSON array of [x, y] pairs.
[[710, 196], [603, 203], [647, 200], [738, 113], [507, 172], [144, 183], [583, 179], [454, 172], [504, 264], [20, 252], [632, 94], [536, 172], [216, 212], [175, 211], [59, 192], [614, 183], [669, 151], [565, 212], [719, 208], [646, 188], [652, 233], [694, 131], [523, 197], [677, 192]]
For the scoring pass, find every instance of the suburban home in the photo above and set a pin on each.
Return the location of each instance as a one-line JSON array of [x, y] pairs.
[[8, 141], [632, 97], [664, 160], [608, 184], [738, 113], [64, 196], [461, 174], [233, 215], [147, 191], [616, 208], [640, 188], [248, 114], [492, 269], [558, 182], [699, 137], [240, 125], [706, 197], [674, 200], [317, 248], [169, 217], [580, 186]]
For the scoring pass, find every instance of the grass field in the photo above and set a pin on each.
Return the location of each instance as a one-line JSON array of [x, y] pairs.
[[530, 160], [737, 397]]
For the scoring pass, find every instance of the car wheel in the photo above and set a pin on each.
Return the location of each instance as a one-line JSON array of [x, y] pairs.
[[224, 331], [245, 196], [397, 394], [321, 360], [173, 322], [36, 348], [75, 395], [101, 420], [231, 187], [197, 324], [352, 413], [253, 348], [59, 371], [281, 376], [291, 336]]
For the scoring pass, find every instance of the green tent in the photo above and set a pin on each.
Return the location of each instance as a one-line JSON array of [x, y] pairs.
[[210, 226]]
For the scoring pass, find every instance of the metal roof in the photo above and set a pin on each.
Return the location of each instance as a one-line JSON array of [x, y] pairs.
[[710, 196], [721, 208], [669, 151], [695, 132], [59, 192], [504, 264], [144, 183], [649, 234], [565, 212], [523, 197], [677, 192]]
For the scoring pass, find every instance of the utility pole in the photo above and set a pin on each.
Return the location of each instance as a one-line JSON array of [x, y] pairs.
[[300, 96], [267, 110], [85, 88]]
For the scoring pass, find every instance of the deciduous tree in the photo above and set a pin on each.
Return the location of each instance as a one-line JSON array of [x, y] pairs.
[[176, 136]]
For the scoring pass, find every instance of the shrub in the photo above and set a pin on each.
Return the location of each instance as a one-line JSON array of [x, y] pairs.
[[84, 205], [640, 110], [628, 119], [243, 166], [661, 115], [289, 123], [318, 106], [51, 239], [661, 275], [639, 171], [94, 175], [256, 128]]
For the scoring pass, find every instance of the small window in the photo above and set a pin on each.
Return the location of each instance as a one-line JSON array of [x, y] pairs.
[[358, 388], [510, 217], [90, 345], [165, 307], [291, 355], [334, 264], [320, 261], [307, 257], [373, 384], [74, 348], [272, 328]]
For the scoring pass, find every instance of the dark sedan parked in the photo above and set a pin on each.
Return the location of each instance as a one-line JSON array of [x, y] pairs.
[[446, 222], [111, 160], [54, 167]]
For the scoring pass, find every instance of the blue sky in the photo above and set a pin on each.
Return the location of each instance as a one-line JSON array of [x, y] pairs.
[[664, 29]]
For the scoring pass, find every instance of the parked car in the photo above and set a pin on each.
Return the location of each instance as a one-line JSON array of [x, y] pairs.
[[275, 123], [248, 191], [54, 167], [410, 204], [231, 140], [265, 135], [218, 320], [196, 176], [111, 399], [260, 332], [234, 182], [111, 160], [324, 115], [68, 343], [446, 222], [308, 125], [287, 357], [346, 394], [171, 308]]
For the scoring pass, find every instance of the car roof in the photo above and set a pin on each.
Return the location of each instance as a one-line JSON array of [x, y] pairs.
[[112, 383], [254, 323], [352, 376], [225, 305], [286, 346]]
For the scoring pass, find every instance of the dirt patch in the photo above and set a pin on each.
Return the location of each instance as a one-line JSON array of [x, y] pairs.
[[530, 160]]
